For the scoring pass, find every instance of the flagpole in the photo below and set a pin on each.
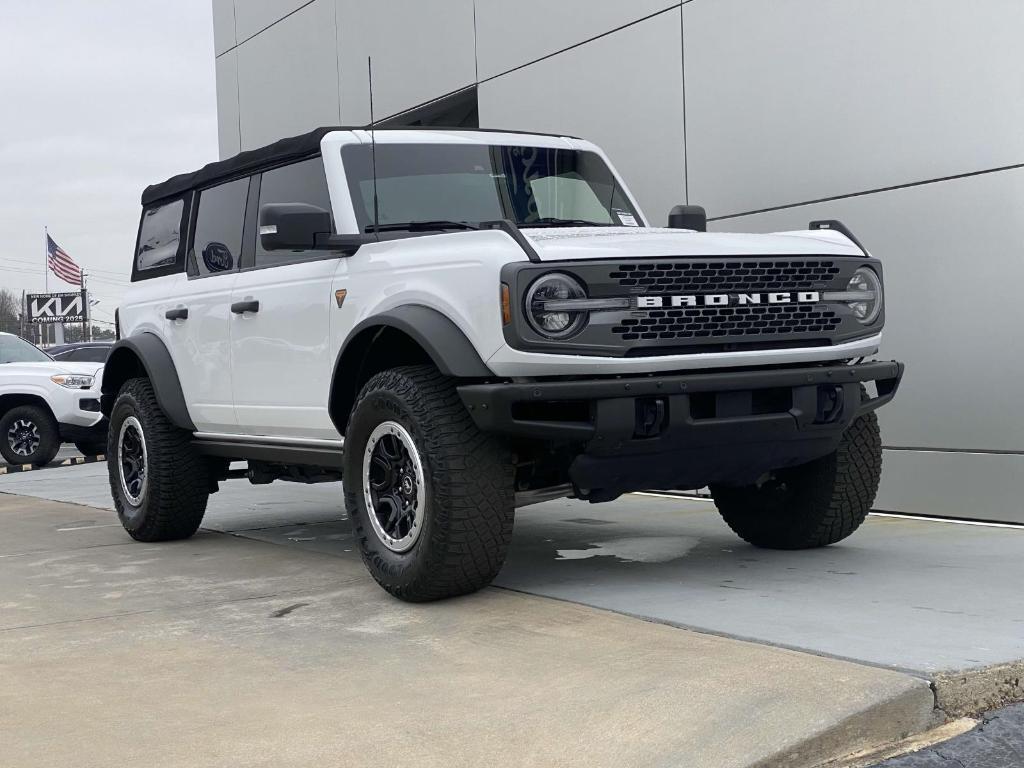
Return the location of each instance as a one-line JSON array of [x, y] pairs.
[[46, 264], [85, 308]]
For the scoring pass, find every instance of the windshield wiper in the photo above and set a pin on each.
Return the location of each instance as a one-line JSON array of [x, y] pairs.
[[420, 226], [551, 221]]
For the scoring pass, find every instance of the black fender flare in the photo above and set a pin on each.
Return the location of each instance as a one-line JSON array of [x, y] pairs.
[[443, 340], [146, 351]]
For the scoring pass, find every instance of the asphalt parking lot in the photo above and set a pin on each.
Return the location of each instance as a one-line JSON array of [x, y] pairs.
[[907, 601]]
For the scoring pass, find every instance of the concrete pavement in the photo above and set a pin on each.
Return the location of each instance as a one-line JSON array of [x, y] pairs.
[[225, 650], [927, 597]]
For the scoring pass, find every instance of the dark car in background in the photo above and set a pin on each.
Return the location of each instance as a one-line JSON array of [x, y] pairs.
[[82, 352]]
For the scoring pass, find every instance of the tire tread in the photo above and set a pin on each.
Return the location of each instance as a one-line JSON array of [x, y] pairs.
[[833, 502], [177, 475], [472, 477]]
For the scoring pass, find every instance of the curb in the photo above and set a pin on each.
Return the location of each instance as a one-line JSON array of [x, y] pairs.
[[973, 691], [908, 712], [10, 469]]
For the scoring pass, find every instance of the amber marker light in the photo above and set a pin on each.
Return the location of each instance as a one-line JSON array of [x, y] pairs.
[[339, 296], [506, 305]]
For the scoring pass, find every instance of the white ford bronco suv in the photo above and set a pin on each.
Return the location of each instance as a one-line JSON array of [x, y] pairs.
[[458, 323]]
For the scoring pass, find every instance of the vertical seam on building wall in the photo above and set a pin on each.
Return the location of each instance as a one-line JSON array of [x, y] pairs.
[[476, 54], [238, 87], [337, 61], [682, 62]]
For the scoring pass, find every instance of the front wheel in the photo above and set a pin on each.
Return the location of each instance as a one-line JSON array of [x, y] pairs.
[[430, 496], [29, 435], [159, 482], [812, 505]]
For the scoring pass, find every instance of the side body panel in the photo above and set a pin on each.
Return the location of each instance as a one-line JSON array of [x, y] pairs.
[[281, 356], [456, 274], [199, 345]]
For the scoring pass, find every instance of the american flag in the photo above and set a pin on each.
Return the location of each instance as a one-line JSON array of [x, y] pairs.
[[61, 264]]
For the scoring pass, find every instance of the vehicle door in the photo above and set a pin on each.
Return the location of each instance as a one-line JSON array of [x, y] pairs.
[[198, 323], [281, 362]]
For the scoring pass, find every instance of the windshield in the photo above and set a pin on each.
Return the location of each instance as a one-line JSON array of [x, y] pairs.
[[532, 186], [14, 349]]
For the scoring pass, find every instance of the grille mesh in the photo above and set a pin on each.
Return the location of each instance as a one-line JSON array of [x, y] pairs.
[[726, 276], [705, 322]]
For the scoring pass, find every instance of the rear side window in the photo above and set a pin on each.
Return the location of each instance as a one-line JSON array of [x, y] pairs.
[[159, 238], [299, 183], [217, 243]]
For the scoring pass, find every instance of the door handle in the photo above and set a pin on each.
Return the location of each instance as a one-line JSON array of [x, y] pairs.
[[178, 313], [245, 306]]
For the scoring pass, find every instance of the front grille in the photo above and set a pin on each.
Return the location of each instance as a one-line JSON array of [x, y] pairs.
[[677, 305], [726, 276], [709, 322]]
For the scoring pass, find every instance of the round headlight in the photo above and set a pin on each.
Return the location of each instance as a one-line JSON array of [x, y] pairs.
[[554, 323], [865, 280]]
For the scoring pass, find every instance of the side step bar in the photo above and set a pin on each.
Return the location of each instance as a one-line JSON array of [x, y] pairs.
[[314, 453]]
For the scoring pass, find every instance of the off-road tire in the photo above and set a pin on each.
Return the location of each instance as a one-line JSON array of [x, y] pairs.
[[177, 479], [470, 500], [817, 504], [45, 424], [91, 449]]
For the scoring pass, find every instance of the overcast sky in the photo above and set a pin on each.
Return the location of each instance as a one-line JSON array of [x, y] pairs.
[[99, 99]]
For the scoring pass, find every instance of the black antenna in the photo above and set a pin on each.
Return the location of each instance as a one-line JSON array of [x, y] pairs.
[[373, 151]]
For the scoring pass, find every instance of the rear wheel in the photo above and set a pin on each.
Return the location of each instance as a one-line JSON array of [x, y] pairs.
[[29, 435], [812, 505], [159, 482], [430, 496]]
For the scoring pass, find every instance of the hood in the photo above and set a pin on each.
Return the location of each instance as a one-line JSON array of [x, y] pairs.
[[51, 368], [569, 243]]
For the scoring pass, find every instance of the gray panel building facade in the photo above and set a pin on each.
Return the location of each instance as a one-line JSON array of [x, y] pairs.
[[903, 119]]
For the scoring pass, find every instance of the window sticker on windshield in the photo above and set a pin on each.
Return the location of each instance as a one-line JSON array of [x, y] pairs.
[[626, 219]]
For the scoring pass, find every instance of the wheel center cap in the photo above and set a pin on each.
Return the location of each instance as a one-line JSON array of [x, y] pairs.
[[407, 485]]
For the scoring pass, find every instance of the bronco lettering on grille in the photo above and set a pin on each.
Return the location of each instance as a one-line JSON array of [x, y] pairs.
[[728, 299]]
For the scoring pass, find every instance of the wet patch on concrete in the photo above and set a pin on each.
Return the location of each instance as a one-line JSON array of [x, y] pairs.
[[639, 549]]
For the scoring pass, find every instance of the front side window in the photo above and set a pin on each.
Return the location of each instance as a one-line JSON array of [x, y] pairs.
[[533, 186], [14, 349], [302, 182], [217, 243], [159, 236]]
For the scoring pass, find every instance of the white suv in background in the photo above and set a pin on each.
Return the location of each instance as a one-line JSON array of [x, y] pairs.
[[463, 322], [44, 402]]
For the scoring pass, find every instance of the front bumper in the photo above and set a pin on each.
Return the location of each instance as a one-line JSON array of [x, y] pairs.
[[513, 362], [685, 430], [76, 407]]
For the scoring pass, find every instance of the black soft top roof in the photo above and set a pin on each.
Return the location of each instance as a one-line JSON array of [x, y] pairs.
[[278, 153], [252, 160]]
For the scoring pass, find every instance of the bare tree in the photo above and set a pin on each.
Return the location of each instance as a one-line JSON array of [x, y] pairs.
[[10, 311]]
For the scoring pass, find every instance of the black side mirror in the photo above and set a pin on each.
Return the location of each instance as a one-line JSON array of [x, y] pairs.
[[292, 226], [688, 217]]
